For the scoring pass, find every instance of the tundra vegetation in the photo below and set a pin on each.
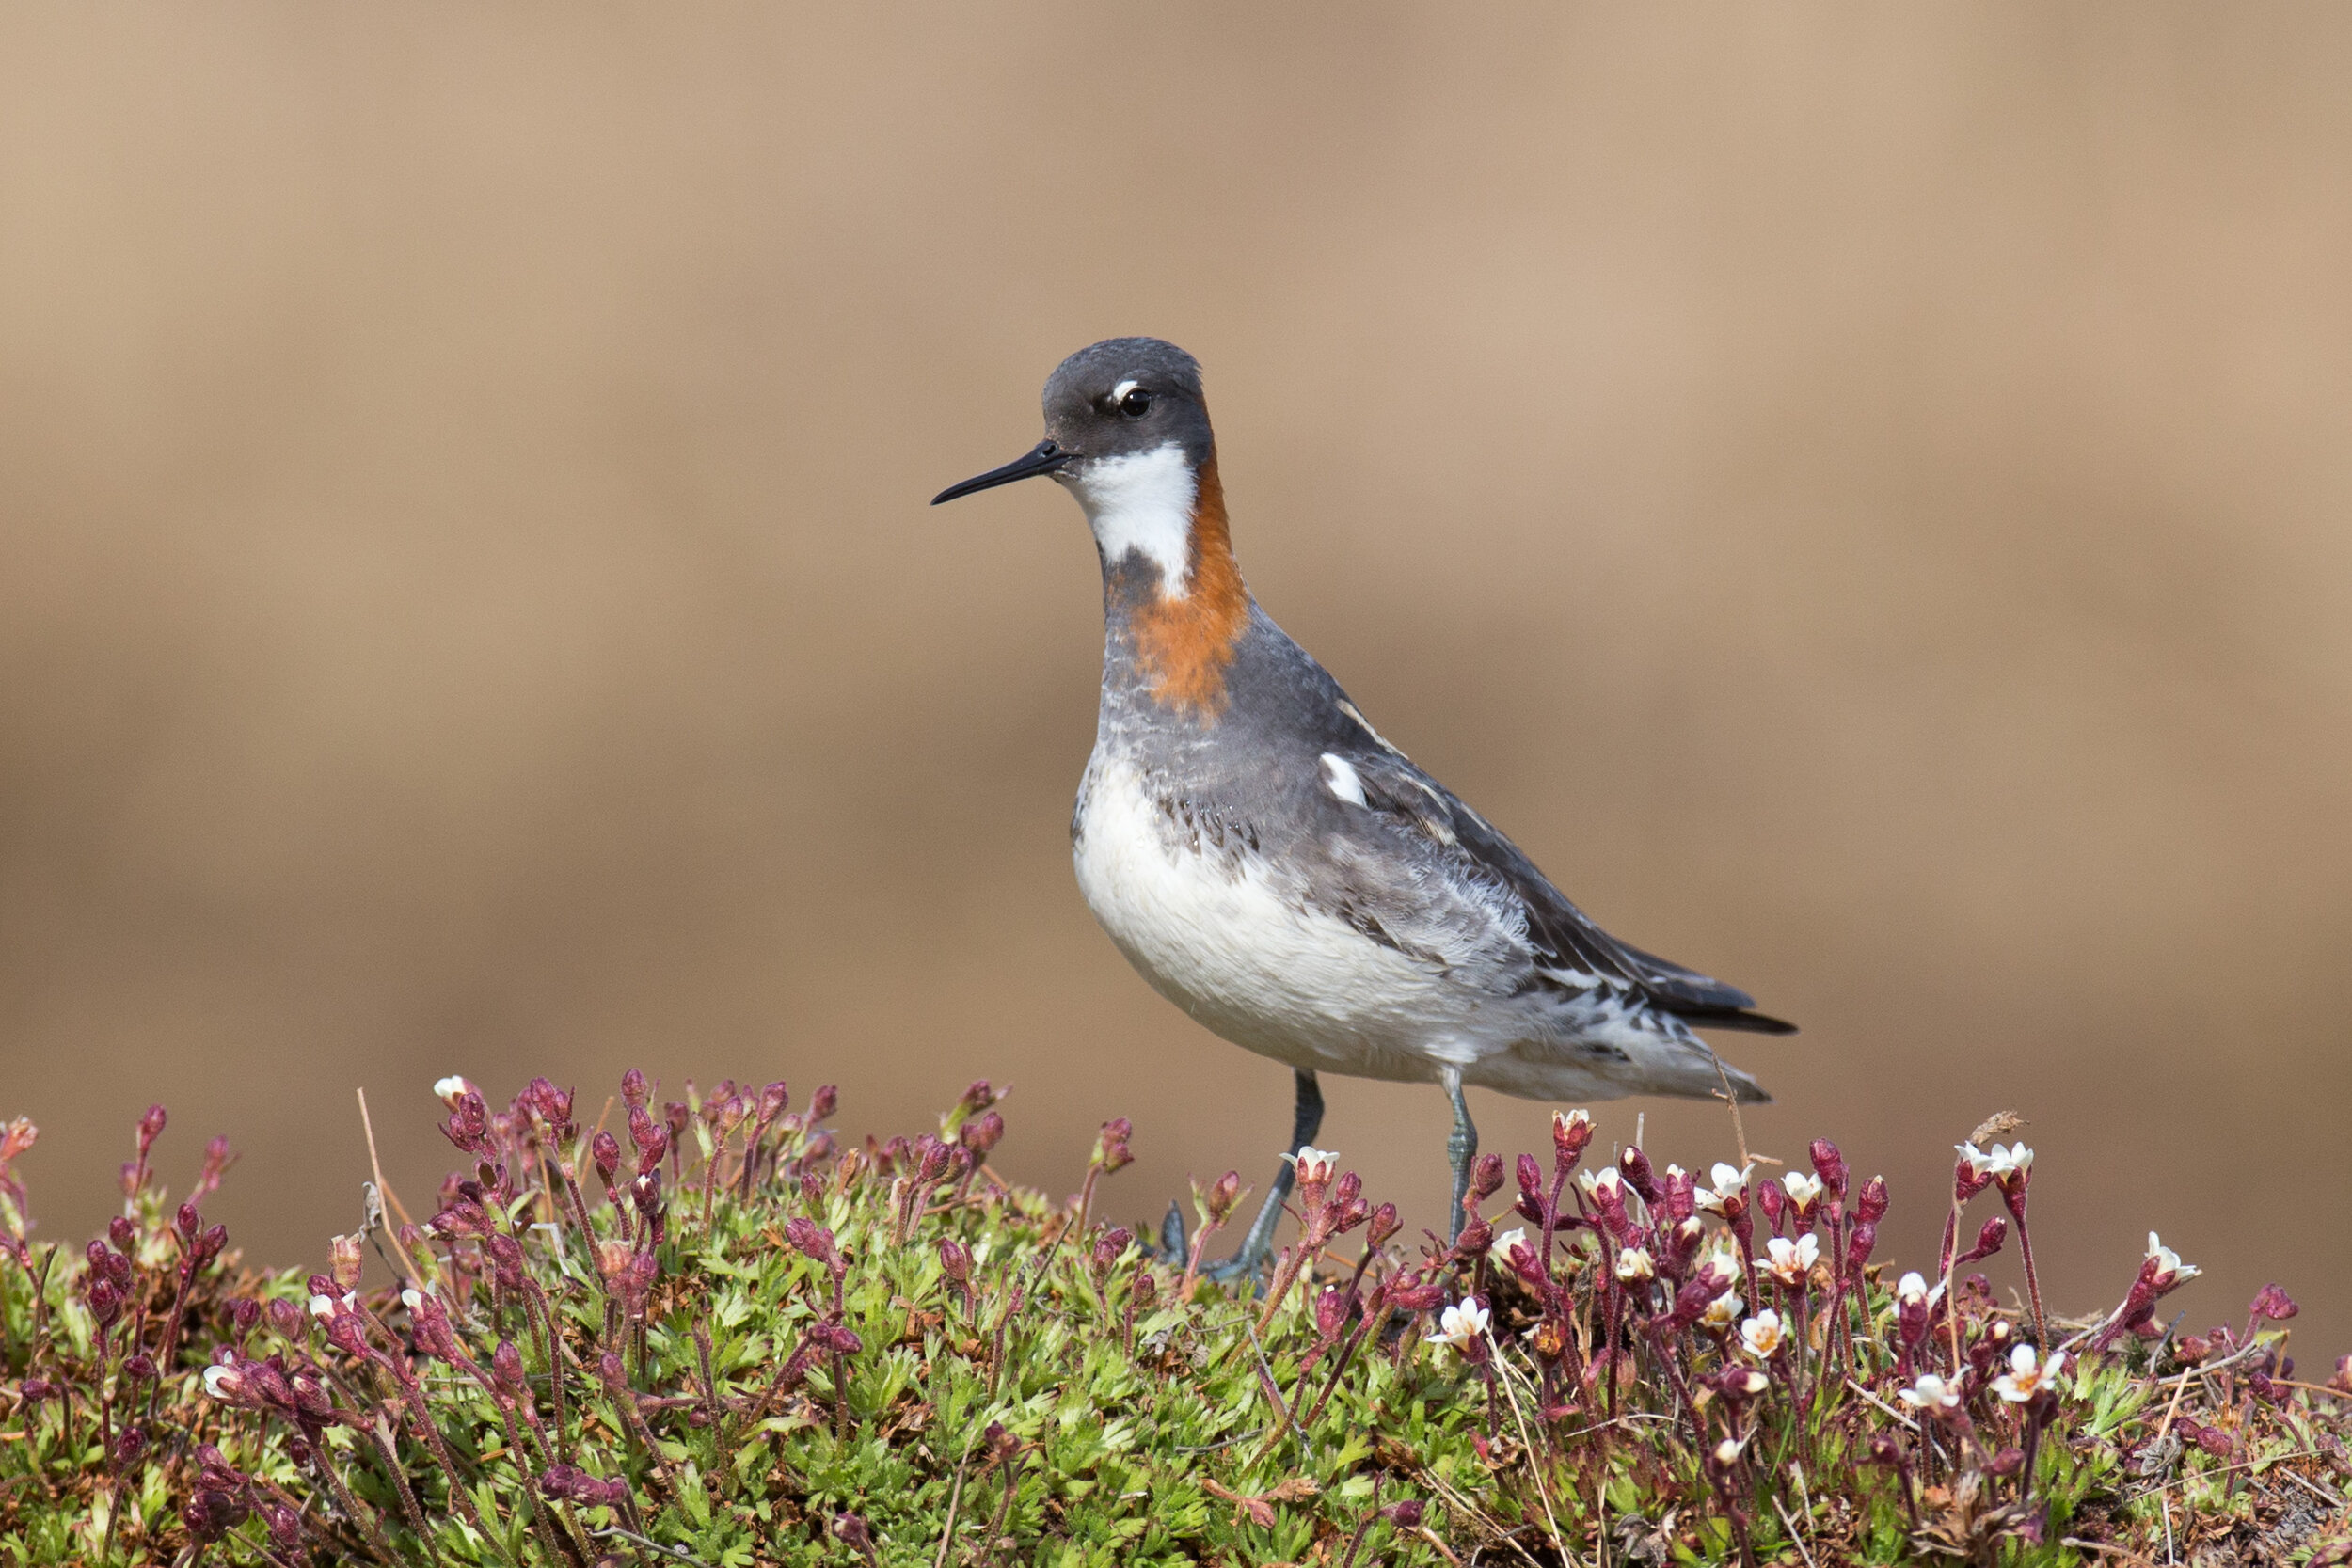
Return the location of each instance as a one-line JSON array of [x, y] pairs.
[[714, 1331]]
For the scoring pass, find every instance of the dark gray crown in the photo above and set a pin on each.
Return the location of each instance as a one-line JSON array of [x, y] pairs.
[[1090, 413]]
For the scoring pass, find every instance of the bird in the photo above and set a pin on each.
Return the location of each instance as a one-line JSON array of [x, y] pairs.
[[1275, 866]]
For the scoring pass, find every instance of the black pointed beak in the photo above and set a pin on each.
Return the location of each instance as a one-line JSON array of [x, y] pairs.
[[1043, 459]]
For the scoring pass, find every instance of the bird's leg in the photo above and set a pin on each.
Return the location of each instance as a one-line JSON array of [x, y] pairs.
[[1461, 1147], [1306, 1121]]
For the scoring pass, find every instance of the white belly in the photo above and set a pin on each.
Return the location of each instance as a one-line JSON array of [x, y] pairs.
[[1215, 934]]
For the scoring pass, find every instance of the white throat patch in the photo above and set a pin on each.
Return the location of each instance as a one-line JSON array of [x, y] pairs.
[[1142, 504]]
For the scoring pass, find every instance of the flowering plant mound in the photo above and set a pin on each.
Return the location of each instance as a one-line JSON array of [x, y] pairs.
[[712, 1332]]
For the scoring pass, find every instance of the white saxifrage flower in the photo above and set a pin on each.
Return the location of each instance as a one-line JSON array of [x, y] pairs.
[[1731, 1182], [1635, 1263], [1602, 1182], [1933, 1394], [2170, 1271], [1314, 1165], [1763, 1335], [1722, 1311], [1791, 1261], [1803, 1189], [1500, 1250], [2026, 1376], [449, 1091], [1460, 1324], [1980, 1164], [2013, 1159]]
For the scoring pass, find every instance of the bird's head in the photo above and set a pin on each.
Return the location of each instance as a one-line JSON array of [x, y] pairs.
[[1122, 416]]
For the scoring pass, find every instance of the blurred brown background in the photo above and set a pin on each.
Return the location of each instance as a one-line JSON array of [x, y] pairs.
[[1860, 492]]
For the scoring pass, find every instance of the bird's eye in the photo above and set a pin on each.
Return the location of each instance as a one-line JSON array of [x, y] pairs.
[[1136, 404]]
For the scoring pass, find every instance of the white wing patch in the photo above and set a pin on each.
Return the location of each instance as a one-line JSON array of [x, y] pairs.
[[1341, 775]]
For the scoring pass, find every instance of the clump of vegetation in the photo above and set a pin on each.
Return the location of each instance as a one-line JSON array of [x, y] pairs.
[[733, 1338]]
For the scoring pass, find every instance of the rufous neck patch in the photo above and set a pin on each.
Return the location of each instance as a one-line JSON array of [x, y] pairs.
[[1185, 642]]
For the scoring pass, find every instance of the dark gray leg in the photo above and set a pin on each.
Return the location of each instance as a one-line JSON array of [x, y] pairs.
[[1461, 1147], [1305, 1123]]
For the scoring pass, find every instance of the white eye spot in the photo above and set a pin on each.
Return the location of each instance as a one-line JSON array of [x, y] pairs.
[[1122, 390], [1341, 775]]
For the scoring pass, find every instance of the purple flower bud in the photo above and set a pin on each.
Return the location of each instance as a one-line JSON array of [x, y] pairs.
[[506, 1368], [210, 1515], [614, 1373], [605, 1150], [1634, 1166], [122, 1234], [1223, 1194], [1829, 1165], [140, 1368], [982, 1134], [820, 1104], [1107, 1250], [837, 1336], [979, 1098], [285, 1524], [287, 1318], [104, 1301], [1989, 1240], [2274, 1304], [1384, 1224], [1412, 1298], [429, 1323], [1487, 1176], [1680, 1194], [1871, 1207], [1332, 1310], [151, 1128], [933, 1158], [954, 1261], [773, 1101], [679, 1118], [2212, 1439], [1531, 1179], [810, 1238], [550, 1105], [1110, 1151], [187, 1221], [1860, 1245], [561, 1481], [645, 1132], [506, 1261], [245, 1313], [1773, 1201], [633, 1089], [130, 1447]]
